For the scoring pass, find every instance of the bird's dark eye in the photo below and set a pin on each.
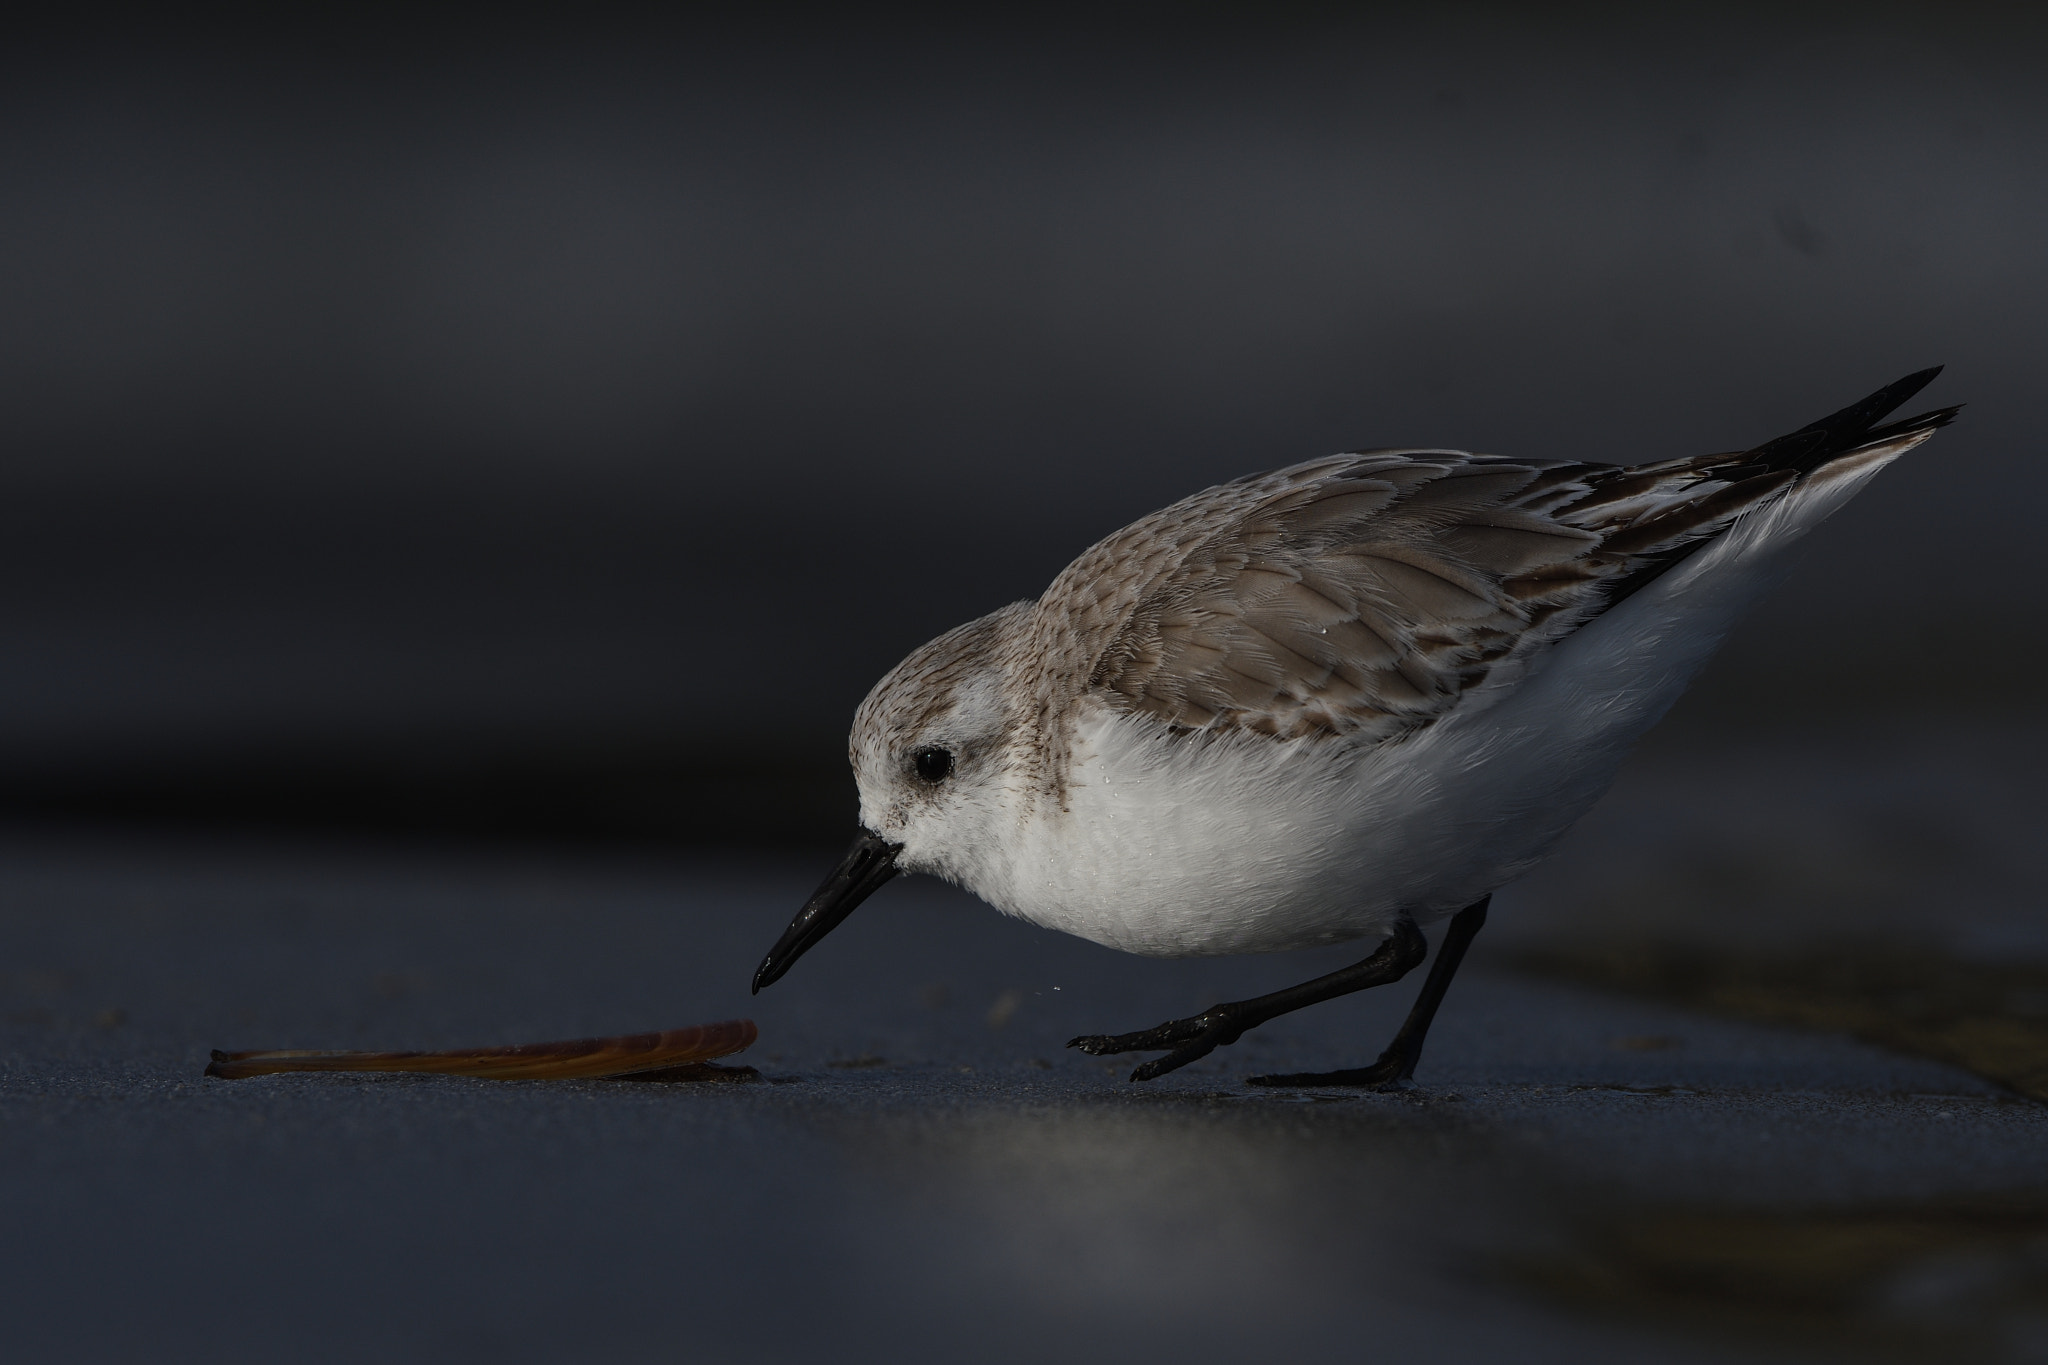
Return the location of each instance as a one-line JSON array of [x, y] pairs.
[[934, 765]]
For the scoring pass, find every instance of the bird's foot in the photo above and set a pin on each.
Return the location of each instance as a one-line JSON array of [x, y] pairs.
[[1190, 1039], [1390, 1072]]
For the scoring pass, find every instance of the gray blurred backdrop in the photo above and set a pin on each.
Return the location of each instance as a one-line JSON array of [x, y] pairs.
[[552, 432]]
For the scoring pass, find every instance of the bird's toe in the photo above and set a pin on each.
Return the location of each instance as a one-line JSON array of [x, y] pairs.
[[1170, 1034]]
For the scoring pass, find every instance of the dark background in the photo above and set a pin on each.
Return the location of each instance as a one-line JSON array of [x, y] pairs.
[[458, 477], [550, 431]]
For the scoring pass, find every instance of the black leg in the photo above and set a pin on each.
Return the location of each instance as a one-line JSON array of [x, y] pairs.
[[1221, 1025], [1397, 1064]]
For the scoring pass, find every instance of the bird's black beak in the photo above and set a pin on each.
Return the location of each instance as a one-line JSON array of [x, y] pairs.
[[870, 862]]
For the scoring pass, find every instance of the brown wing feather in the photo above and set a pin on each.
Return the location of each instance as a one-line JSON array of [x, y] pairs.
[[1342, 597], [1363, 595]]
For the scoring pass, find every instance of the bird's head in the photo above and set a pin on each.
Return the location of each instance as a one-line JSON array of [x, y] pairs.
[[933, 761]]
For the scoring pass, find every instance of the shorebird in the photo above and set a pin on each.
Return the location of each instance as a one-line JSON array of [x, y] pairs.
[[1337, 701]]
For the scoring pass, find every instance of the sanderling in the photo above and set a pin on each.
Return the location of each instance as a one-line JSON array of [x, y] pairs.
[[1337, 701]]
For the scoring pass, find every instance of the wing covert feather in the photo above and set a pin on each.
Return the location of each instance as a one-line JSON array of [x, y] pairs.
[[1362, 595]]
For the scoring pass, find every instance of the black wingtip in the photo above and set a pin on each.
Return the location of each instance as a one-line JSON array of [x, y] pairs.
[[1886, 400], [1925, 421], [1899, 390], [1818, 442]]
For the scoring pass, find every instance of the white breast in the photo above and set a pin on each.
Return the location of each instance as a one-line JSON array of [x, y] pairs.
[[1172, 846]]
